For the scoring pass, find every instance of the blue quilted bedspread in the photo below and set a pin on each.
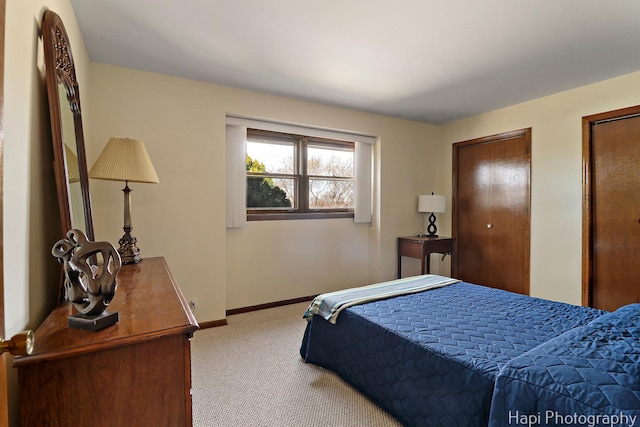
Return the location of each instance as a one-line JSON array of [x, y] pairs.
[[431, 358], [587, 376]]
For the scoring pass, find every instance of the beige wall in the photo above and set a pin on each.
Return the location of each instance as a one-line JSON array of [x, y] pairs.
[[556, 159], [182, 218], [31, 218], [31, 215], [182, 123]]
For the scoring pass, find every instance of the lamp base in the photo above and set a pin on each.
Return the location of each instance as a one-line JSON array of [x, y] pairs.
[[129, 250], [432, 230]]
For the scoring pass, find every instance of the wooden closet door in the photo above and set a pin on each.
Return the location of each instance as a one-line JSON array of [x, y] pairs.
[[615, 210], [491, 210]]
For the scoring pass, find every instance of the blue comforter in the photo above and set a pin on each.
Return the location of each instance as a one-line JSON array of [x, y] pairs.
[[588, 376], [431, 358]]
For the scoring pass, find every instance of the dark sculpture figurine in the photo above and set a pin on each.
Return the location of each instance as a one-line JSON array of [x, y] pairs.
[[88, 286]]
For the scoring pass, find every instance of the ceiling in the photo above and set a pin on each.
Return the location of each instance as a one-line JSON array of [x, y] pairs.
[[428, 60]]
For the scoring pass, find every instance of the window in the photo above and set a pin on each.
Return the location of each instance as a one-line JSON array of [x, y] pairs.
[[297, 176], [236, 170]]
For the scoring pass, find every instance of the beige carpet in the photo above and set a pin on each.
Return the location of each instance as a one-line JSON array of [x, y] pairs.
[[249, 373]]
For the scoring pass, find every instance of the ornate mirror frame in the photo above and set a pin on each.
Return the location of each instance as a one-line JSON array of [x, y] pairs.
[[72, 178]]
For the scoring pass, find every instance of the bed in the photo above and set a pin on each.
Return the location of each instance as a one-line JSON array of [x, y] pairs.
[[434, 357]]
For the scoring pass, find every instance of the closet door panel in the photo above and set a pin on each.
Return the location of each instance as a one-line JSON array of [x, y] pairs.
[[474, 250], [510, 217], [491, 210], [616, 213]]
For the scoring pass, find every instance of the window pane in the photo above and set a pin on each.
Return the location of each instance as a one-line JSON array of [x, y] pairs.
[[269, 193], [330, 194], [329, 161], [288, 185], [270, 157]]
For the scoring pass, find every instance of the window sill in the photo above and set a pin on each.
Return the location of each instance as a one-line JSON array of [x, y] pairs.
[[294, 216]]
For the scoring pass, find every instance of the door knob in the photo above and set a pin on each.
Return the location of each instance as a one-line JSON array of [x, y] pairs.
[[489, 225], [20, 344]]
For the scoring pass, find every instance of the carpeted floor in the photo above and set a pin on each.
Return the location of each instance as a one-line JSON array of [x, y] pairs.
[[249, 373]]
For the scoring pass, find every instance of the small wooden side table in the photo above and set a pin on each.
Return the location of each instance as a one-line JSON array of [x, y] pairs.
[[421, 248]]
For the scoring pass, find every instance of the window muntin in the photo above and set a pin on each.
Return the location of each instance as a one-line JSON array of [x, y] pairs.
[[313, 175]]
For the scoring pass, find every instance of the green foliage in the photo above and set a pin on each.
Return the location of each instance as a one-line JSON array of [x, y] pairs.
[[261, 192], [255, 166]]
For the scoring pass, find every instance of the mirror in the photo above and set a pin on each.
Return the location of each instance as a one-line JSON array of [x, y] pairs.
[[70, 163]]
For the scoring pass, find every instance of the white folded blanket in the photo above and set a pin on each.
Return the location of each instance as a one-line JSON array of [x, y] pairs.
[[329, 305]]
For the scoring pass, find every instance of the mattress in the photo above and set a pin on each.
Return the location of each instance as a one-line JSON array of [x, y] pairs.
[[589, 375], [432, 358]]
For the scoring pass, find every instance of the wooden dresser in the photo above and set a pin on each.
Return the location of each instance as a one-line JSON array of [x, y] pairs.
[[137, 372]]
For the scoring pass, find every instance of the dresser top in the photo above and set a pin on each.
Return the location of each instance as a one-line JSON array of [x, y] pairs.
[[149, 303]]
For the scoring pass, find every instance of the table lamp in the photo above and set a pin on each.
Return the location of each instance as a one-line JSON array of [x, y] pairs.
[[433, 203], [125, 159]]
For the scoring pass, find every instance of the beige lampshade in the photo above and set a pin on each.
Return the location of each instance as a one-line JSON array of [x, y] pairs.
[[73, 171], [124, 159], [431, 203]]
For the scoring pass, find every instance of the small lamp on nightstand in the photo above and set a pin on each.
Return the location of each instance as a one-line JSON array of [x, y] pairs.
[[125, 159], [433, 203]]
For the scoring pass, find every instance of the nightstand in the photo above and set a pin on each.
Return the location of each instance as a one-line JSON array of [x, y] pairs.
[[421, 248]]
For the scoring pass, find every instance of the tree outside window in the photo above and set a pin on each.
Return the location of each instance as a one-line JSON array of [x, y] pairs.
[[262, 192]]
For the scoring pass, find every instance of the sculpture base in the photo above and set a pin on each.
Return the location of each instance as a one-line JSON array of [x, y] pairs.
[[92, 323]]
